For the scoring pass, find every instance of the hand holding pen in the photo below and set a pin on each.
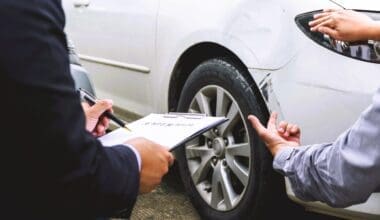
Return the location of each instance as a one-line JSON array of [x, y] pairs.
[[98, 113], [96, 122]]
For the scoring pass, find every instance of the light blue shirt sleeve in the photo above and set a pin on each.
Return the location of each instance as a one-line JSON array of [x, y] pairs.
[[137, 154], [341, 173]]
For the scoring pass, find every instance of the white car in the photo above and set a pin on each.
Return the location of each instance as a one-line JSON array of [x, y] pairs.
[[231, 58]]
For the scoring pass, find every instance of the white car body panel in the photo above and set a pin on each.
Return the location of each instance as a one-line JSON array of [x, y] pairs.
[[304, 81], [115, 42], [231, 24], [347, 91]]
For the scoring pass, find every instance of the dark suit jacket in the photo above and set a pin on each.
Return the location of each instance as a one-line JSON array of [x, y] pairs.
[[49, 165]]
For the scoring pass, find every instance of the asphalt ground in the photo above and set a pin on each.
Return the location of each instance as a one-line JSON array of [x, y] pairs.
[[169, 200]]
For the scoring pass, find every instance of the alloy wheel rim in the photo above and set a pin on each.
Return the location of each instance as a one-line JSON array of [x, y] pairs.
[[219, 161]]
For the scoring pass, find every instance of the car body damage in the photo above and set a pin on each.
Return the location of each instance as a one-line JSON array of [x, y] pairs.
[[269, 96]]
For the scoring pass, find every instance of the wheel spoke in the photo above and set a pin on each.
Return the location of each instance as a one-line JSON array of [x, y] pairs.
[[242, 150], [222, 102], [204, 167], [241, 172], [228, 192], [222, 190], [195, 151], [216, 196], [233, 116], [203, 103]]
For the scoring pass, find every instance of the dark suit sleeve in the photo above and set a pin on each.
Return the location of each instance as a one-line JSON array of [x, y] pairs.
[[53, 164]]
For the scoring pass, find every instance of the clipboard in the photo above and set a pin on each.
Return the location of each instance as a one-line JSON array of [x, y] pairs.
[[198, 117], [170, 130]]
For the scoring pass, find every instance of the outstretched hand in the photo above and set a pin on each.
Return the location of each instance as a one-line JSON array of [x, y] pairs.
[[276, 137]]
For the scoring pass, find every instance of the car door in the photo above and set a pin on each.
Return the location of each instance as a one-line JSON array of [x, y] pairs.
[[116, 43]]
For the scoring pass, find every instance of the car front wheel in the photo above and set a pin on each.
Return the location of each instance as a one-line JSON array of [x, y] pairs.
[[226, 171]]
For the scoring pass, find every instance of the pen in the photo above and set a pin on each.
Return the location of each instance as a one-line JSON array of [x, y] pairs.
[[91, 100]]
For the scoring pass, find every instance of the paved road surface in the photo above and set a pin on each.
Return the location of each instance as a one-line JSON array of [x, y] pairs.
[[169, 202]]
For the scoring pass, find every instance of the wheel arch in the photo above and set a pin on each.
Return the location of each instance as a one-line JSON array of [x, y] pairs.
[[194, 56]]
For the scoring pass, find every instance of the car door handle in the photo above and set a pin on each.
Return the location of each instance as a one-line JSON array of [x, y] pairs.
[[82, 3]]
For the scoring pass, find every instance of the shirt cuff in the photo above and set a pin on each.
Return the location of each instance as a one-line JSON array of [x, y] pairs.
[[136, 153], [281, 158]]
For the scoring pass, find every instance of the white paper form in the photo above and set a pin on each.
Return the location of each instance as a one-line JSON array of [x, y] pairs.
[[169, 130]]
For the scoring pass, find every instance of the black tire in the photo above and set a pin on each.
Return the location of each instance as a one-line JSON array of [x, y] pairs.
[[265, 188]]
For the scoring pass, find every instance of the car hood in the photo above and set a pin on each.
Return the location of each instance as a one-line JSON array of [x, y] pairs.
[[370, 5]]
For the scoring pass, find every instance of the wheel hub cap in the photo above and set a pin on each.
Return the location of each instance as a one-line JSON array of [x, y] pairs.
[[219, 146]]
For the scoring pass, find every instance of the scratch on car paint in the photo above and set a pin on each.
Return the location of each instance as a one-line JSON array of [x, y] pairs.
[[266, 88], [325, 87]]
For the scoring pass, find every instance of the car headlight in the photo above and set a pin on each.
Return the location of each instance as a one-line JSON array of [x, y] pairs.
[[366, 50]]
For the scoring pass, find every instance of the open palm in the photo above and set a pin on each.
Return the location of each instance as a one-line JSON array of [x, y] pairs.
[[275, 137]]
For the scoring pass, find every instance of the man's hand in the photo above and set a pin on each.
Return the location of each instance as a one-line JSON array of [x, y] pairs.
[[96, 123], [345, 25], [285, 135], [155, 162]]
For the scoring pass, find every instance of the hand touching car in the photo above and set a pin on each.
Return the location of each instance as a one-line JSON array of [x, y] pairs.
[[346, 25], [276, 137]]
